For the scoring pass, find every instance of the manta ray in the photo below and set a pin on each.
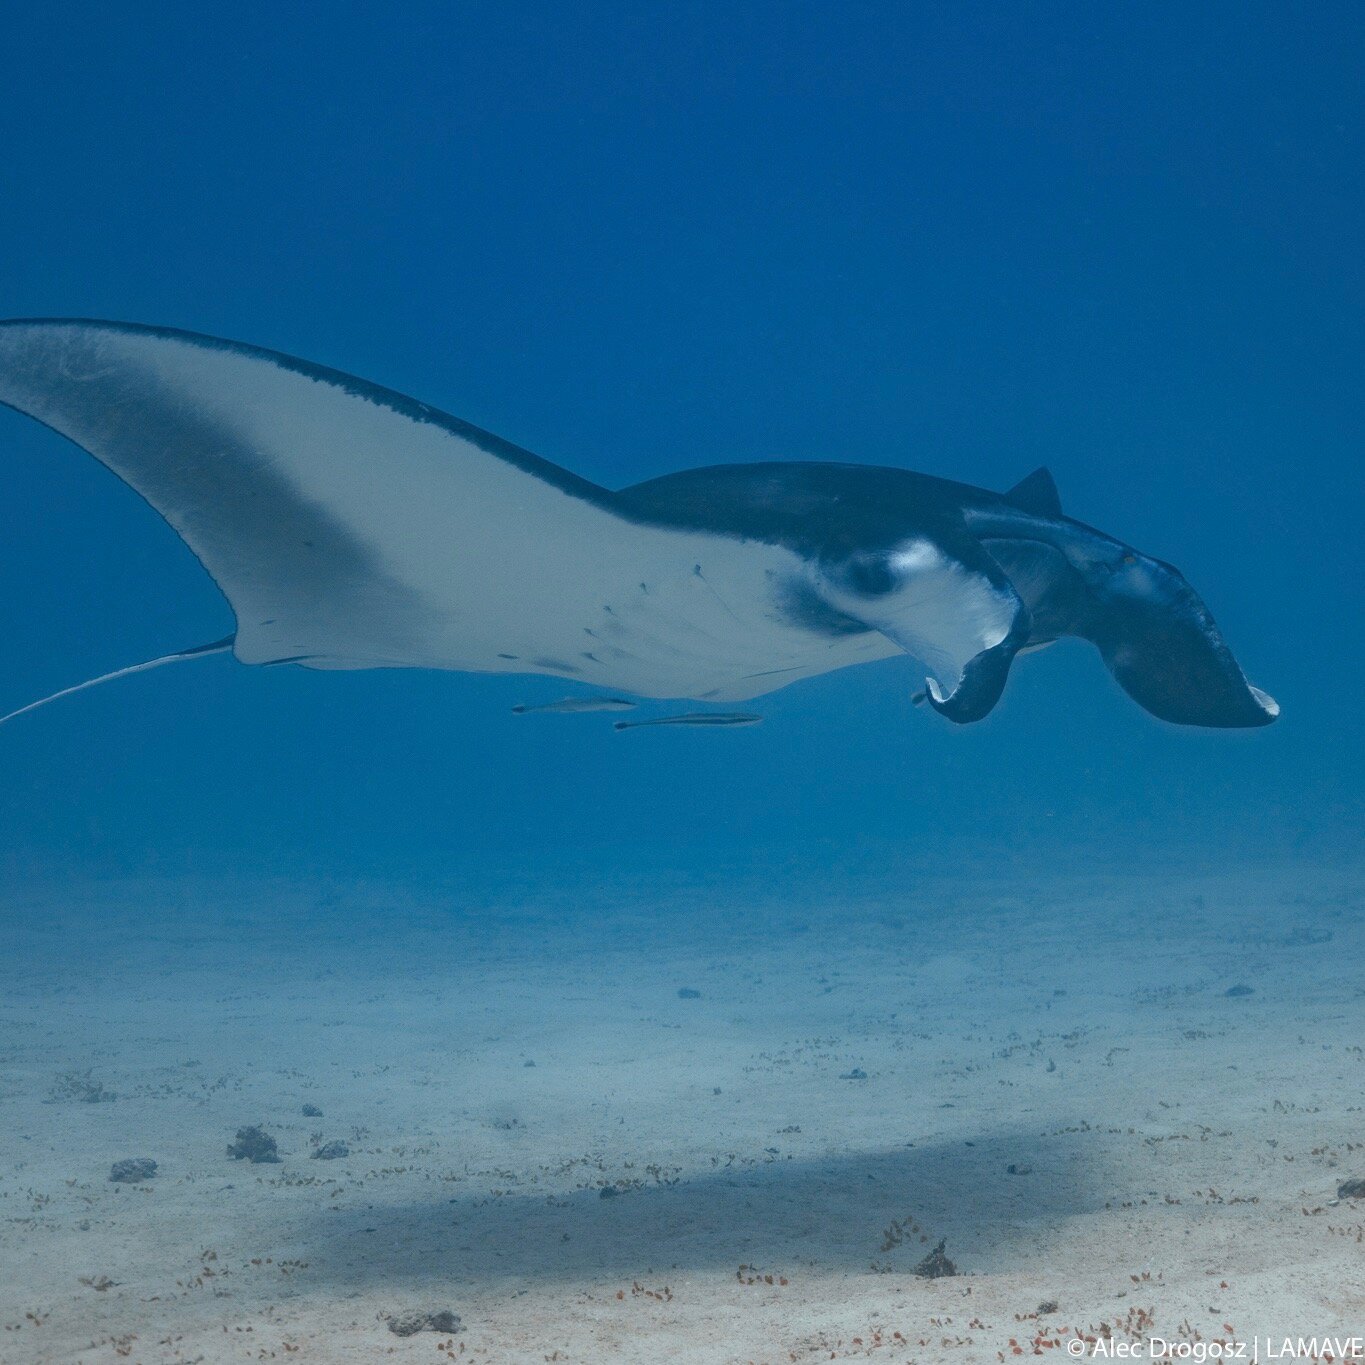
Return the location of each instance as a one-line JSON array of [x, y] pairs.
[[351, 527]]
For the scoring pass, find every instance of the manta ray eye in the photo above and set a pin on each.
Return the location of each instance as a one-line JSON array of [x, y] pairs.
[[1130, 559]]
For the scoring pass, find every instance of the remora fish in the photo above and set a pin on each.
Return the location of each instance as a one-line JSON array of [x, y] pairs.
[[575, 706], [694, 718]]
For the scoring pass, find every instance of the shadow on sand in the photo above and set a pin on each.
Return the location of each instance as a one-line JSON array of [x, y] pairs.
[[829, 1214]]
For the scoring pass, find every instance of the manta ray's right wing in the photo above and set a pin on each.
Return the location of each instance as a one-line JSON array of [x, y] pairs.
[[352, 527], [346, 524]]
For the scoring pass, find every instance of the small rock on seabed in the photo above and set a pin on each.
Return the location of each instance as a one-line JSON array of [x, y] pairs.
[[936, 1264], [132, 1170], [253, 1144], [423, 1320]]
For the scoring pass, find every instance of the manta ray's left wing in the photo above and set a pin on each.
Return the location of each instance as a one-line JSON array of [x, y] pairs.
[[351, 527]]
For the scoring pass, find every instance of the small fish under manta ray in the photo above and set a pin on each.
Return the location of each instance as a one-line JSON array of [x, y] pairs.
[[351, 527], [702, 718], [573, 706]]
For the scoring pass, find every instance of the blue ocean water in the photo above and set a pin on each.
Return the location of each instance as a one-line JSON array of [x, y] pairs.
[[633, 239], [782, 986]]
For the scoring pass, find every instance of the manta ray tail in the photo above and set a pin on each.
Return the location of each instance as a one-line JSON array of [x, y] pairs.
[[198, 652]]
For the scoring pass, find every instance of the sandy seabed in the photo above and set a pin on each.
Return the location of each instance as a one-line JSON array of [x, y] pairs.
[[686, 1125]]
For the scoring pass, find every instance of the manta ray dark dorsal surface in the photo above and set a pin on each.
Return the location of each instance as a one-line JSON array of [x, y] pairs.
[[1153, 631]]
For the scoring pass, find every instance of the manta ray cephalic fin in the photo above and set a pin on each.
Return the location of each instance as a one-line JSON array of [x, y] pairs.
[[944, 601]]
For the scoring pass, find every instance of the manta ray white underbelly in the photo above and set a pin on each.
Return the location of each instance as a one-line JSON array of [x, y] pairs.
[[352, 527]]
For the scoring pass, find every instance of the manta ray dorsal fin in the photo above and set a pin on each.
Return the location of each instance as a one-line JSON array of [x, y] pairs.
[[1037, 494]]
